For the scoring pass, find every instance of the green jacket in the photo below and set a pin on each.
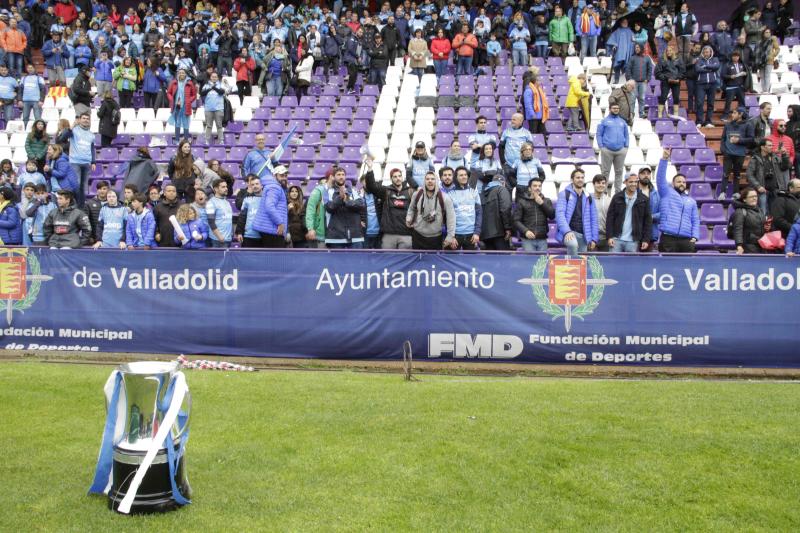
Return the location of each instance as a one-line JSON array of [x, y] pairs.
[[315, 212], [122, 83], [561, 30], [37, 149]]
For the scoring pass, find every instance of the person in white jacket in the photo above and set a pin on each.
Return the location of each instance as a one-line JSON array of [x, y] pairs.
[[303, 70]]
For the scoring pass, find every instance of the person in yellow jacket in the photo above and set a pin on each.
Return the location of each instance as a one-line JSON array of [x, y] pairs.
[[577, 100]]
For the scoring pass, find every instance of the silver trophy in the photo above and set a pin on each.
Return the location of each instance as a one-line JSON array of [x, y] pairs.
[[148, 407]]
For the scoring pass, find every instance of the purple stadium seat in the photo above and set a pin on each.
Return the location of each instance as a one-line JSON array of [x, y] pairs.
[[359, 124], [445, 125], [299, 125], [311, 138], [140, 140], [155, 153], [580, 140], [541, 155], [507, 112], [442, 139], [557, 140], [554, 126], [289, 101], [270, 139], [705, 156], [237, 154], [276, 125], [332, 139], [538, 139], [371, 90], [355, 138], [126, 154], [302, 113], [672, 140], [504, 90], [344, 113], [328, 101], [198, 152], [447, 113], [692, 172], [270, 101], [328, 154], [254, 126], [719, 236], [247, 139], [298, 170], [233, 169], [322, 113], [506, 101], [467, 126], [586, 156], [486, 101], [368, 100], [317, 125], [701, 192], [485, 91], [560, 154], [711, 213], [364, 113], [713, 172], [262, 113], [340, 125], [216, 152], [681, 156], [664, 127], [308, 101], [686, 127], [751, 100], [282, 113], [168, 152], [235, 127], [463, 139], [705, 238], [791, 41], [304, 154], [350, 154], [107, 155], [695, 141], [466, 90], [348, 100]]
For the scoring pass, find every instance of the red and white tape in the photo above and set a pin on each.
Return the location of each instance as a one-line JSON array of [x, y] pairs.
[[205, 364]]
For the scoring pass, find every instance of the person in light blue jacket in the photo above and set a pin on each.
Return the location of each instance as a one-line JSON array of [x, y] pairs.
[[8, 93], [111, 223], [467, 206], [613, 139], [372, 237], [576, 216], [59, 171], [37, 212], [245, 233], [679, 220], [193, 228], [519, 37]]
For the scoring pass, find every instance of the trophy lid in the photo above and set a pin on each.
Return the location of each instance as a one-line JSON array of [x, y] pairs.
[[149, 367]]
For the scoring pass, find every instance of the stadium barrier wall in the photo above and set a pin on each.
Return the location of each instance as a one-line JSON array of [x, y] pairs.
[[643, 310]]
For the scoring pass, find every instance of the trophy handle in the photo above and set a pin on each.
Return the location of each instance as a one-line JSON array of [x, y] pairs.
[[187, 399]]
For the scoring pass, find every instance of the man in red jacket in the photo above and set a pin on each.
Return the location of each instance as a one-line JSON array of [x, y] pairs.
[[781, 142]]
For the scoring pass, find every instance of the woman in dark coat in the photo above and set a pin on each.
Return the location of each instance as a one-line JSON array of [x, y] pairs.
[[107, 115]]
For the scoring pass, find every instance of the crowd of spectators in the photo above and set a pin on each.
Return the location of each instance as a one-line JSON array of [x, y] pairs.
[[182, 59]]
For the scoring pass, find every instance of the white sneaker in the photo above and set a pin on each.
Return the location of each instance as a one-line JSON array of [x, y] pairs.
[[722, 197], [709, 125]]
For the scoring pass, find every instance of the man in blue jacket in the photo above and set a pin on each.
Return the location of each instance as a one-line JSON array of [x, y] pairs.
[[734, 149], [679, 220], [55, 53], [272, 217], [613, 140], [81, 154], [576, 217]]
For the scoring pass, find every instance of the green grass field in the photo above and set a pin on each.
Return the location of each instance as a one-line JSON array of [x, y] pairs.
[[309, 451]]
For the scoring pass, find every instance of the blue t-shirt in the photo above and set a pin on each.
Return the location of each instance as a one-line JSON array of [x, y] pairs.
[[32, 88], [113, 222], [251, 203], [81, 146], [514, 139], [8, 88], [213, 101], [220, 210]]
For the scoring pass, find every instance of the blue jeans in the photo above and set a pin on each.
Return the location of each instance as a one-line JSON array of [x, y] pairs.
[[377, 76], [520, 57], [345, 245], [541, 50], [8, 111], [82, 172], [14, 62], [275, 86], [534, 245], [578, 244], [588, 44], [418, 72], [707, 92], [440, 67], [762, 202], [220, 244], [464, 65], [26, 111], [628, 247], [641, 90]]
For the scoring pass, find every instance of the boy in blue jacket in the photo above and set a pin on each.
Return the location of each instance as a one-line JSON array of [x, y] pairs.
[[793, 240], [140, 228]]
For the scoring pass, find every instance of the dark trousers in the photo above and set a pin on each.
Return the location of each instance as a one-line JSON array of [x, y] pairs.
[[537, 126], [105, 140], [150, 100], [372, 242], [269, 240], [465, 242], [244, 89], [730, 163], [691, 94], [420, 242], [352, 75], [251, 242], [667, 88], [126, 98], [496, 243], [705, 92], [670, 244], [730, 94]]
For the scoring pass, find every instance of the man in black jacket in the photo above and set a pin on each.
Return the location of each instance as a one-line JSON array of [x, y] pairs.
[[392, 38], [81, 91], [167, 207], [347, 214], [786, 207], [530, 217], [629, 224], [93, 207], [396, 199], [496, 220], [763, 172], [66, 226], [379, 62]]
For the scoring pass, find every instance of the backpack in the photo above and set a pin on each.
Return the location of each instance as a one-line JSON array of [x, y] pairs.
[[116, 116], [440, 197], [729, 228]]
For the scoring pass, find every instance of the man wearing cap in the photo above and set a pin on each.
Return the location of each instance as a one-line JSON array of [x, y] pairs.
[[421, 163], [272, 217], [646, 187], [396, 199], [55, 53], [734, 75], [81, 91], [379, 62]]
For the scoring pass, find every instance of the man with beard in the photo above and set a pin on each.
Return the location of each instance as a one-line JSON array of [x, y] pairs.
[[646, 187], [396, 199], [467, 207], [679, 220], [247, 236], [430, 215], [167, 207]]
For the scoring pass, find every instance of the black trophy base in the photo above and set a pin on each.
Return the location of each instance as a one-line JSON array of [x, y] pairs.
[[155, 492]]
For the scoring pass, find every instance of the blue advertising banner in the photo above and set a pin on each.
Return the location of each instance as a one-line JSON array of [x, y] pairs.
[[641, 310]]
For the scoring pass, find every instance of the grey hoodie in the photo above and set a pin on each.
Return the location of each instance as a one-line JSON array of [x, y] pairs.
[[423, 205], [206, 176]]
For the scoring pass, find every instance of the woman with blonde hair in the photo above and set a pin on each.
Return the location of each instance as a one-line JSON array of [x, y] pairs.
[[577, 100], [193, 231]]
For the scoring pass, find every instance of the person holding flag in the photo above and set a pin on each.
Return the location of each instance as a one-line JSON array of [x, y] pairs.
[[261, 162]]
